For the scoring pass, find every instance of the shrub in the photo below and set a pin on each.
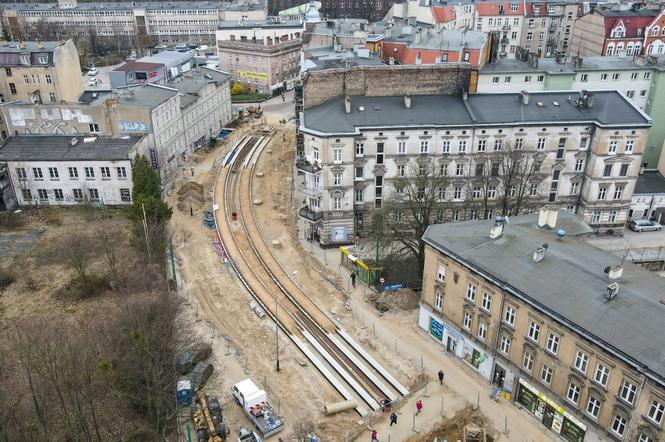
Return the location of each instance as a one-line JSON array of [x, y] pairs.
[[237, 88], [83, 288], [6, 278]]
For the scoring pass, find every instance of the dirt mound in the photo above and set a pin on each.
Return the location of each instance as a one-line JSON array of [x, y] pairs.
[[191, 194], [452, 429]]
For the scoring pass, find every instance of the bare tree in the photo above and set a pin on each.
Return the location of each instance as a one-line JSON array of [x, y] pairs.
[[111, 241], [418, 200], [76, 250]]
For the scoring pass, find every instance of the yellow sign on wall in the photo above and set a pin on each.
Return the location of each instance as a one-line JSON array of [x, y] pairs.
[[249, 74]]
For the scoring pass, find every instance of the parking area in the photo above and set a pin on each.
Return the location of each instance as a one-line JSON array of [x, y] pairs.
[[102, 78]]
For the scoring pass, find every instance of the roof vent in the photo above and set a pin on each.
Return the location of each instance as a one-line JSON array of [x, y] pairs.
[[612, 290], [89, 139], [74, 141], [524, 97], [540, 104], [547, 217], [407, 101], [539, 253], [361, 108]]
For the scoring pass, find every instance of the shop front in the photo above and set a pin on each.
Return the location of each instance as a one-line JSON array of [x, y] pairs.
[[454, 342], [552, 415]]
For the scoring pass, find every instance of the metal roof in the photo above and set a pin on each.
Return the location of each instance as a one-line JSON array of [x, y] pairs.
[[550, 65], [149, 96], [610, 108], [138, 66], [569, 284], [650, 182], [60, 148]]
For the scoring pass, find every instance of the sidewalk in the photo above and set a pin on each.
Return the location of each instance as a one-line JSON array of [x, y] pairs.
[[462, 387]]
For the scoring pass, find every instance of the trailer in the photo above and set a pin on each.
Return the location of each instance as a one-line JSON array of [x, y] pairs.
[[254, 403]]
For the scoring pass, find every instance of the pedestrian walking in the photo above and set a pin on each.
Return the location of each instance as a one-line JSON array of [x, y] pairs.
[[353, 280], [419, 406], [375, 436], [393, 419], [441, 377]]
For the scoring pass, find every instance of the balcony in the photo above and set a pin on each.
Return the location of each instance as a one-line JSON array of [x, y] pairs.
[[312, 215], [504, 40], [306, 166], [506, 27], [551, 27], [309, 191]]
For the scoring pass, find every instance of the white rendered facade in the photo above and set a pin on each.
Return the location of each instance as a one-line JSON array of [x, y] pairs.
[[71, 182]]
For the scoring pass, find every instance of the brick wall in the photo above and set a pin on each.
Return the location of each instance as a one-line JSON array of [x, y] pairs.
[[376, 81]]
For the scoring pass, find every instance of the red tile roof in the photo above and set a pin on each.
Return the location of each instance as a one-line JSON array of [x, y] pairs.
[[443, 13], [494, 8], [632, 24]]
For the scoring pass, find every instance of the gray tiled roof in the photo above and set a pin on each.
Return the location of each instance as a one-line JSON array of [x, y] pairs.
[[550, 65], [609, 109], [568, 284], [60, 148], [149, 96]]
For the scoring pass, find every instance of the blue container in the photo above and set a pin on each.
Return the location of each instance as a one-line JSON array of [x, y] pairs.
[[184, 393]]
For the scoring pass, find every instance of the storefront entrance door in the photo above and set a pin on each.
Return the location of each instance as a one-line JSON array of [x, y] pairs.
[[451, 345], [499, 375], [548, 416]]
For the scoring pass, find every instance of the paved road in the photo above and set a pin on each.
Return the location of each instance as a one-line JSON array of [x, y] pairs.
[[645, 246], [102, 76]]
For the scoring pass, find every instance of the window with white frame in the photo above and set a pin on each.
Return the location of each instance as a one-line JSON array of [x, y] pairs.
[[505, 344], [401, 147], [579, 165], [438, 300], [630, 144], [628, 391], [573, 393], [619, 425], [441, 274], [459, 170], [612, 146], [360, 149], [596, 216], [94, 194], [541, 143], [457, 192], [656, 411], [21, 174], [337, 203], [337, 179], [359, 196], [593, 407], [461, 147], [401, 170], [337, 155], [602, 374], [581, 361], [37, 173], [445, 146], [466, 322], [584, 143], [527, 361], [42, 193], [491, 192], [552, 343], [471, 292], [602, 192], [519, 143], [498, 144], [487, 302], [482, 330], [509, 316], [534, 331], [476, 192], [122, 172], [546, 374], [53, 173], [618, 192], [106, 173], [644, 438], [424, 146], [481, 145], [89, 173]]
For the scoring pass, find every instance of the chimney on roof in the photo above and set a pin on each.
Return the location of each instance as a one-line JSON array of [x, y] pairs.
[[40, 45], [21, 45], [612, 290], [615, 272], [524, 97], [407, 101], [496, 230], [347, 104], [539, 253], [547, 217], [418, 35]]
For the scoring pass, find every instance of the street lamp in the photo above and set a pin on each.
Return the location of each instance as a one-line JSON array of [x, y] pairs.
[[276, 333]]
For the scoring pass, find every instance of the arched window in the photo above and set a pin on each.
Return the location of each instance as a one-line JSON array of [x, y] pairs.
[[638, 48], [619, 47], [654, 31], [629, 48], [610, 49]]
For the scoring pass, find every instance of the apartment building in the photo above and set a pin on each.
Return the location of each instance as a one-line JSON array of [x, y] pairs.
[[162, 22], [584, 152], [639, 79], [69, 170], [611, 30], [654, 35], [549, 27], [261, 55], [370, 10], [173, 118], [570, 333]]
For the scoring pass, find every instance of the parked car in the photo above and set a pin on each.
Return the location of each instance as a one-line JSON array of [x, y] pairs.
[[93, 81], [644, 225], [93, 71]]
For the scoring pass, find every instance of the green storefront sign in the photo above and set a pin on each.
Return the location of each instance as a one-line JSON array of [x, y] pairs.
[[436, 328]]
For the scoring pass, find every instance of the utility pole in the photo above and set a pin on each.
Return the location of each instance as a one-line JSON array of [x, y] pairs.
[[145, 231], [276, 334]]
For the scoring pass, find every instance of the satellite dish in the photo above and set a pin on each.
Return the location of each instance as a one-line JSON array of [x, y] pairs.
[[607, 269], [545, 246]]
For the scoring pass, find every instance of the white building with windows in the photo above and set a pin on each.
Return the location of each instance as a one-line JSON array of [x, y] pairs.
[[70, 170], [584, 151]]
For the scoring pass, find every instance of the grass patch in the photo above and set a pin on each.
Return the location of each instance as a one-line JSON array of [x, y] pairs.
[[6, 278], [10, 220], [240, 98]]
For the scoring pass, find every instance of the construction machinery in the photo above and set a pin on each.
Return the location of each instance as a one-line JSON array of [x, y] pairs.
[[208, 421]]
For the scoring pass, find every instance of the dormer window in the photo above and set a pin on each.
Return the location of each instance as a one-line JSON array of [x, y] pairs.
[[654, 31], [42, 59], [619, 32], [24, 58]]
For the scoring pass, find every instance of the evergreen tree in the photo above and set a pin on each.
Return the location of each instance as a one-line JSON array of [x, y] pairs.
[[147, 193]]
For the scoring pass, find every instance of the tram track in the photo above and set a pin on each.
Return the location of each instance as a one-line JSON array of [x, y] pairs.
[[279, 295]]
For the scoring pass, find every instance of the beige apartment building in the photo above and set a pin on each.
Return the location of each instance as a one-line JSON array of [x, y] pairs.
[[39, 72], [562, 329]]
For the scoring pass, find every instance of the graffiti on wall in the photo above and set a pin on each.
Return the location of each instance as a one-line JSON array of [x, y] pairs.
[[133, 126]]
